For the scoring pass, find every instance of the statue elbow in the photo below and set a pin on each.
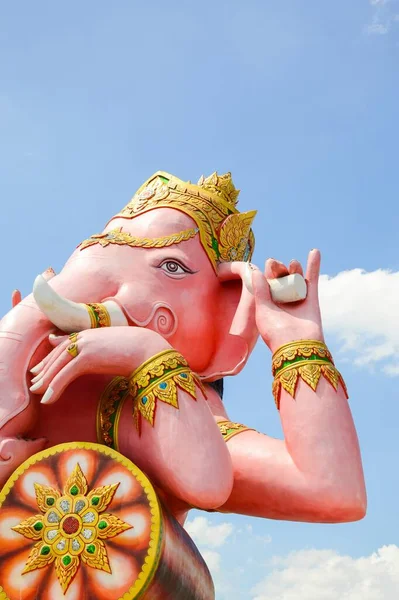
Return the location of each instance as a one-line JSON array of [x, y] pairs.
[[347, 508], [357, 509]]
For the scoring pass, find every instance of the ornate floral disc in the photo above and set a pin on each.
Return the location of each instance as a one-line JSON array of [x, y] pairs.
[[78, 520]]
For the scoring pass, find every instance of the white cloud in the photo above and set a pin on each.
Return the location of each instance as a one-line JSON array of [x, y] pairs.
[[204, 533], [327, 575], [212, 559], [377, 28], [206, 537], [362, 310], [382, 17]]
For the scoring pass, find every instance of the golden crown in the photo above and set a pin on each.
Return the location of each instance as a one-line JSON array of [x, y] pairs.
[[225, 233]]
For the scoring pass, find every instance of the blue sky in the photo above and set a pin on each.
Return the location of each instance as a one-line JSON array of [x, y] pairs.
[[299, 100]]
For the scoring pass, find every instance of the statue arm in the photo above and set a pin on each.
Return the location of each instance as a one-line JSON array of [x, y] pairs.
[[315, 474]]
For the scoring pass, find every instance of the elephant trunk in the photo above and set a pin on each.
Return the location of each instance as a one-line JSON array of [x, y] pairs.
[[24, 342], [23, 333]]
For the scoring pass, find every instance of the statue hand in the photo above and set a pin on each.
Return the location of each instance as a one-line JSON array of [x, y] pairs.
[[107, 351], [279, 324]]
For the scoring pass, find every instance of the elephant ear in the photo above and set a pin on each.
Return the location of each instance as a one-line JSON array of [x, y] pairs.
[[237, 331]]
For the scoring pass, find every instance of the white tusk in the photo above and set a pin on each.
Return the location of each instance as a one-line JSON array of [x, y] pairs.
[[67, 315], [116, 316], [64, 314]]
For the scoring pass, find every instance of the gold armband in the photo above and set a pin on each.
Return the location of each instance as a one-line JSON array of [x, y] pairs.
[[229, 429], [307, 360], [99, 315], [158, 379]]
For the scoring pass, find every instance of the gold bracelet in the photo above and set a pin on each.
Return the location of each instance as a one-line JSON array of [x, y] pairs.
[[159, 379], [302, 349], [307, 360]]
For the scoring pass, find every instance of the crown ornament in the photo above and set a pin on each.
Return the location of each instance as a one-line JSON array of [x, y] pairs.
[[225, 233], [222, 186]]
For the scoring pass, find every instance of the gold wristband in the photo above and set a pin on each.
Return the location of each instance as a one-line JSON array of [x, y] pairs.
[[300, 349], [307, 360], [159, 379]]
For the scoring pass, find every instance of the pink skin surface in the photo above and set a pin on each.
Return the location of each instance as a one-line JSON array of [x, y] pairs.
[[314, 474]]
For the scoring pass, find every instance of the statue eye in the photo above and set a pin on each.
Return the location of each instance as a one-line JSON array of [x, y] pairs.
[[173, 268]]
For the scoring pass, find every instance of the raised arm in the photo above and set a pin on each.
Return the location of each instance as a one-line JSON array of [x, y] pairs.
[[315, 473]]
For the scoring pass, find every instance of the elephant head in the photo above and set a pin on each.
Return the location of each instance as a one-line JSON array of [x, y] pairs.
[[172, 260]]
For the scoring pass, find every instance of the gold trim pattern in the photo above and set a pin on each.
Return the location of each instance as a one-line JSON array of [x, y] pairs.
[[310, 372], [159, 379], [3, 594], [99, 315], [72, 528], [210, 204], [301, 348], [151, 562], [228, 429], [120, 238], [108, 411]]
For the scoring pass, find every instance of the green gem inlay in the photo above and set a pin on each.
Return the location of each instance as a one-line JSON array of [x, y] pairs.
[[38, 526], [50, 501], [102, 525], [215, 246], [74, 490], [297, 359], [95, 500], [91, 549], [67, 560], [45, 550]]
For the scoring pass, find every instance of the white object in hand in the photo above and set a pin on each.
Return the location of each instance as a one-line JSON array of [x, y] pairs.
[[291, 288]]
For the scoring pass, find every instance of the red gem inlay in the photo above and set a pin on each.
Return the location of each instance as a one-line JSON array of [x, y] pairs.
[[70, 525]]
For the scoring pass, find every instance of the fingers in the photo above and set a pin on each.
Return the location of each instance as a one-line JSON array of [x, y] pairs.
[[56, 340], [313, 271], [274, 269], [60, 358], [260, 287], [295, 267], [60, 382], [37, 369]]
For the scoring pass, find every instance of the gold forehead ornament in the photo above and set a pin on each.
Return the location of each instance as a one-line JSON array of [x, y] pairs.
[[225, 233]]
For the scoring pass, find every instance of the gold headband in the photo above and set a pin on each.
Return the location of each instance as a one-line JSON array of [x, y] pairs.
[[116, 236], [225, 233]]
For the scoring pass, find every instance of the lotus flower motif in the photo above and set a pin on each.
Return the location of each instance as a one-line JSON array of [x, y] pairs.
[[71, 528]]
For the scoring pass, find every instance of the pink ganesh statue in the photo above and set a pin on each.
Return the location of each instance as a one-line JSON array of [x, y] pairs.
[[112, 423]]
